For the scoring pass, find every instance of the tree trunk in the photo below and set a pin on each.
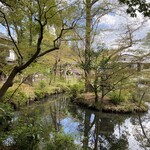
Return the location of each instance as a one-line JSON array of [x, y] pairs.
[[102, 93], [86, 129], [9, 82], [30, 29], [87, 68], [97, 130], [96, 87]]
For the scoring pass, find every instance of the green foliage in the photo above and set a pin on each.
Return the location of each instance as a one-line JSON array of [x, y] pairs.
[[134, 97], [76, 89], [116, 98], [26, 137], [61, 141], [19, 97], [30, 134], [63, 86], [39, 94], [141, 6], [6, 115], [42, 85], [40, 90]]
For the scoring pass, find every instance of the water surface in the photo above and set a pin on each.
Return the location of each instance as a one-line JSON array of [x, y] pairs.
[[92, 129]]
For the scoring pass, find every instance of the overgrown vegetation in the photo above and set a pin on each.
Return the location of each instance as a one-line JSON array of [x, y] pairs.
[[57, 48], [30, 133], [116, 98]]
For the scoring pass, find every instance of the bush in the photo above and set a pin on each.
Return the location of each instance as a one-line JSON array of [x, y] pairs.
[[116, 98], [32, 136], [135, 97], [26, 137], [61, 141], [6, 114], [41, 85], [40, 90], [39, 94], [63, 86], [19, 98], [76, 89]]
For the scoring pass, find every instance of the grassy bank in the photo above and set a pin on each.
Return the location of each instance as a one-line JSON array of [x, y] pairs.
[[108, 105], [26, 93]]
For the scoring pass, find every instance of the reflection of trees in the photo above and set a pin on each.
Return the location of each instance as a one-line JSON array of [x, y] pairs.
[[98, 131], [55, 116], [145, 133], [50, 112], [140, 121], [142, 130], [57, 112], [87, 127]]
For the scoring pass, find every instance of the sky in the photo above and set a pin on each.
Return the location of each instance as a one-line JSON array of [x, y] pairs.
[[2, 29], [116, 23]]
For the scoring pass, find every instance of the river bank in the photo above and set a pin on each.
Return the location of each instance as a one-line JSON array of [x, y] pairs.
[[27, 94], [88, 100], [79, 125]]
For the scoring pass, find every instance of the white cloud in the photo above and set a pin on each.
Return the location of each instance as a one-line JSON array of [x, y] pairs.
[[118, 22], [108, 19]]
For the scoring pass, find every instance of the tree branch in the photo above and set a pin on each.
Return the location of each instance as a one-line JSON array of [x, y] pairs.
[[9, 32], [54, 42]]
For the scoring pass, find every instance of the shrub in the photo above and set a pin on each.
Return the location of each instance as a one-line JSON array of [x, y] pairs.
[[116, 98], [31, 136], [61, 141], [26, 137], [76, 89], [40, 90], [41, 85], [63, 86], [39, 94], [6, 114], [19, 97], [134, 97]]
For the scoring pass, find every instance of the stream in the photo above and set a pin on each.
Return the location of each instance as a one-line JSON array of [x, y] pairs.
[[91, 129]]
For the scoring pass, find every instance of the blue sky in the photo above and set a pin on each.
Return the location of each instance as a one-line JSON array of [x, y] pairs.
[[2, 29], [116, 24]]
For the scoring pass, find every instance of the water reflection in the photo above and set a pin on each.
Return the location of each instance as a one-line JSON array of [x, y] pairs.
[[93, 130]]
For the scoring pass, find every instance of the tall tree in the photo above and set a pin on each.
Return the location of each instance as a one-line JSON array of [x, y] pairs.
[[21, 18], [88, 6], [91, 11]]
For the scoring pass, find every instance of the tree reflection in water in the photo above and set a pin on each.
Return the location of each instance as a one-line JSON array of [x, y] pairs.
[[103, 131], [95, 130]]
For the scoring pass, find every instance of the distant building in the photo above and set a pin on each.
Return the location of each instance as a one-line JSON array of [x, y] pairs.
[[6, 46], [7, 54], [12, 57]]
